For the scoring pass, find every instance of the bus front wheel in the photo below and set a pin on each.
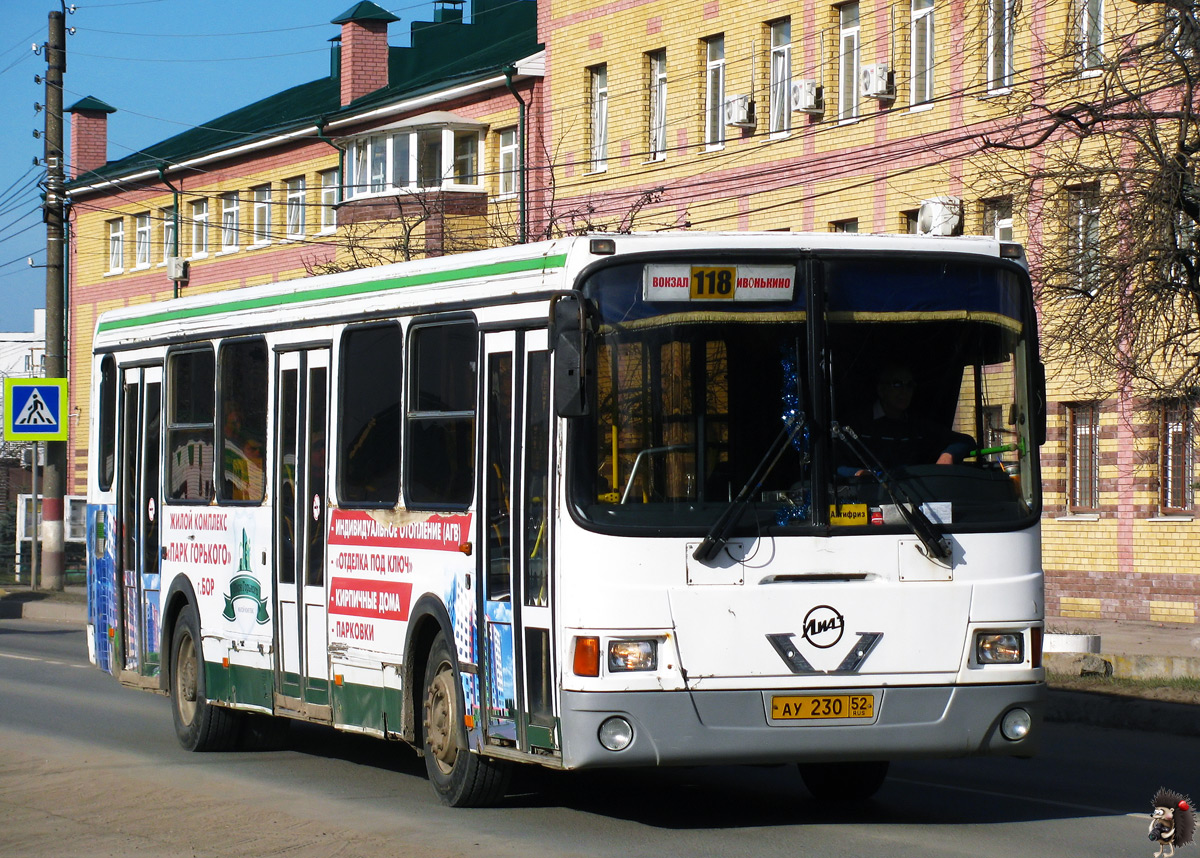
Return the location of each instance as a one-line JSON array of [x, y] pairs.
[[461, 779], [844, 782], [199, 725]]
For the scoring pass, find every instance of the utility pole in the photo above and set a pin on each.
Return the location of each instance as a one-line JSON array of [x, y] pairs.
[[54, 484]]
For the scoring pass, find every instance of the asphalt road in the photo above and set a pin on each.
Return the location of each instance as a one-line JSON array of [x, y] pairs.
[[90, 768]]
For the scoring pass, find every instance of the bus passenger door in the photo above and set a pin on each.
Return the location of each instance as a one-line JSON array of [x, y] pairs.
[[138, 511], [302, 662], [516, 650]]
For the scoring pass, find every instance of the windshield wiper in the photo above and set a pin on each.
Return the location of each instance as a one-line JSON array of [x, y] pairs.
[[936, 545], [717, 535]]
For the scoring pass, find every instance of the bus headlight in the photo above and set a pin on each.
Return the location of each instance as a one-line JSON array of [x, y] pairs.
[[999, 648], [632, 655]]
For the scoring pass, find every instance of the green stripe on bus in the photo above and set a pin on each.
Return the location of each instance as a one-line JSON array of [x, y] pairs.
[[343, 291]]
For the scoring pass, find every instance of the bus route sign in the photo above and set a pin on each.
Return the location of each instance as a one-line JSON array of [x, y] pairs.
[[35, 409]]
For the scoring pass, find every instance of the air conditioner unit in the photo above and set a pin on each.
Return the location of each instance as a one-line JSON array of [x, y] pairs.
[[739, 110], [940, 216], [877, 82], [177, 268], [808, 96]]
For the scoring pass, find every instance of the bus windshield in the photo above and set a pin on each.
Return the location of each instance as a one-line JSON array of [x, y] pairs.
[[913, 371]]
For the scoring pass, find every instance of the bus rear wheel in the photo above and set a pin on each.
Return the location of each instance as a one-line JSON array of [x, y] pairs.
[[199, 725], [843, 782], [460, 778]]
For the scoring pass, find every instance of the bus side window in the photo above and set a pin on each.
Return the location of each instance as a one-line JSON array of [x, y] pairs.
[[369, 410], [190, 382], [440, 454], [243, 420], [108, 423]]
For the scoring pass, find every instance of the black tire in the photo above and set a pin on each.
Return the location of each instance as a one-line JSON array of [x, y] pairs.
[[199, 725], [844, 782], [460, 778]]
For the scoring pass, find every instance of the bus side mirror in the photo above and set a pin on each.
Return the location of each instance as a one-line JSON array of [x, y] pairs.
[[570, 338], [1039, 405]]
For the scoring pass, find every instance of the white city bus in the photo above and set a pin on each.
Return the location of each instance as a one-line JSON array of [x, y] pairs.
[[601, 501]]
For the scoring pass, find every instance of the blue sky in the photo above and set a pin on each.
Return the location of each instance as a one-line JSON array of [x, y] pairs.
[[165, 65]]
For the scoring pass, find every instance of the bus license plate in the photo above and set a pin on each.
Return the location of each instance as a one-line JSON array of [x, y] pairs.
[[820, 706]]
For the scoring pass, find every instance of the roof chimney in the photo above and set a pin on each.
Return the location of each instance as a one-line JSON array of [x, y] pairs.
[[89, 135], [364, 50]]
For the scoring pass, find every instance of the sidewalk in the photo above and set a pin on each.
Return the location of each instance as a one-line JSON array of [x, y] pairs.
[[1127, 649]]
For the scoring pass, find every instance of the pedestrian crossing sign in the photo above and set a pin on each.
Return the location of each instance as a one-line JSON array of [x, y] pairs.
[[34, 409]]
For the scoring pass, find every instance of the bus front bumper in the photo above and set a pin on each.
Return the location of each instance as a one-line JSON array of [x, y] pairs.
[[733, 727]]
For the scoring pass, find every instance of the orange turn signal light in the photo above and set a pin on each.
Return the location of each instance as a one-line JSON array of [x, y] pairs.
[[587, 657]]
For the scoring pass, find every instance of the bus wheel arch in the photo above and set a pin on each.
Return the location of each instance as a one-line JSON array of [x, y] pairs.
[[180, 597], [426, 620]]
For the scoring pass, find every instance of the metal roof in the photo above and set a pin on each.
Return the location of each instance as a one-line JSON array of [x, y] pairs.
[[442, 56]]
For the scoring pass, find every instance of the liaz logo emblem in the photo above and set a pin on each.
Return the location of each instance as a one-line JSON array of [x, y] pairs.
[[823, 628]]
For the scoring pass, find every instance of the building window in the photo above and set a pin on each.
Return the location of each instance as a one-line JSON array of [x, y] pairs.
[[1000, 47], [1083, 456], [781, 77], [598, 110], [141, 241], [262, 214], [199, 210], [909, 220], [997, 218], [412, 160], [714, 92], [657, 148], [1177, 458], [508, 162], [1182, 29], [466, 156], [848, 61], [116, 245], [169, 247], [850, 225], [921, 89], [294, 214], [229, 222], [329, 199], [1083, 236], [1091, 34]]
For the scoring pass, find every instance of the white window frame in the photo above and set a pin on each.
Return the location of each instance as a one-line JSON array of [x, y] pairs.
[[1083, 234], [509, 162], [141, 240], [199, 212], [261, 215], [714, 92], [848, 61], [598, 112], [230, 222], [998, 219], [295, 206], [1091, 34], [922, 47], [329, 200], [1000, 44], [116, 246], [168, 233], [657, 114], [781, 77], [386, 154]]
